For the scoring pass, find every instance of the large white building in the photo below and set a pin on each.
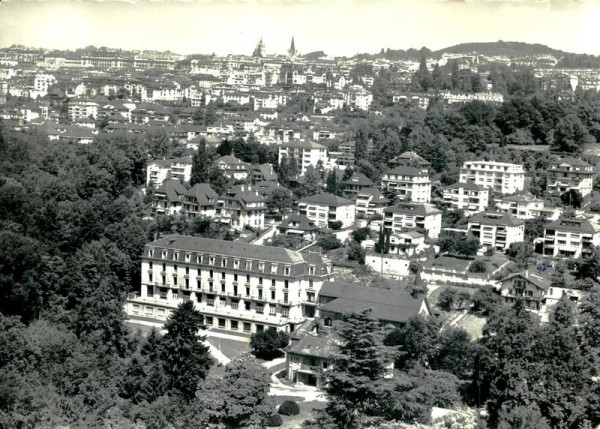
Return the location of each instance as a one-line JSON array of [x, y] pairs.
[[568, 238], [469, 197], [322, 209], [500, 177], [236, 286], [241, 206], [526, 207], [306, 153], [496, 230], [413, 216], [409, 183], [565, 174]]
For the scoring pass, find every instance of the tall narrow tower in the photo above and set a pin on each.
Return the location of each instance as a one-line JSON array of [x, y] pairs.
[[259, 50], [292, 51]]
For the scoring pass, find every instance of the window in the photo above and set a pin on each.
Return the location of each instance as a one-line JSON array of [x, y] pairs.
[[164, 293], [187, 283], [247, 291], [272, 294], [260, 293], [310, 297], [287, 271], [223, 287], [235, 304], [261, 267], [285, 311], [247, 327], [236, 264], [248, 265], [222, 276], [247, 278], [235, 277], [164, 280], [310, 284], [164, 254], [311, 270], [260, 328], [260, 308], [221, 323], [187, 270], [211, 260], [235, 290], [175, 256], [285, 297], [151, 253], [325, 364], [211, 274], [272, 310], [149, 265], [273, 283], [247, 305], [208, 320], [233, 325], [223, 262], [175, 269], [150, 277], [187, 257], [327, 322], [174, 280], [164, 267], [150, 291], [210, 300], [260, 281], [286, 284]]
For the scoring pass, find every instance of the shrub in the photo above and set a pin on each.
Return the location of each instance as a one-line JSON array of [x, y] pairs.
[[289, 408], [268, 344], [336, 225], [477, 267], [329, 242], [274, 420]]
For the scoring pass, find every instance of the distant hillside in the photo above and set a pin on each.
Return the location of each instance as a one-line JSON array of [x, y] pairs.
[[508, 49], [314, 55]]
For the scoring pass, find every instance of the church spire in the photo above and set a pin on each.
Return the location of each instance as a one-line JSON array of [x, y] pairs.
[[292, 51], [259, 50]]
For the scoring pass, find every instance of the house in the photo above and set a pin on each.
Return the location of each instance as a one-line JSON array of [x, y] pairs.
[[358, 98], [355, 184], [241, 206], [390, 265], [568, 238], [564, 174], [238, 287], [200, 201], [79, 107], [526, 207], [322, 209], [500, 177], [410, 159], [299, 226], [424, 217], [469, 197], [409, 242], [233, 167], [263, 173], [168, 198], [409, 183], [315, 343], [305, 153], [453, 270], [146, 112], [178, 168], [265, 189], [534, 288], [369, 202], [496, 230]]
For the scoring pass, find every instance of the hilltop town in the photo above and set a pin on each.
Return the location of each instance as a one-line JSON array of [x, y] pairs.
[[442, 207]]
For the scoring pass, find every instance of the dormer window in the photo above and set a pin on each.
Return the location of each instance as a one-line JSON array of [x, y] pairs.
[[273, 269], [175, 256], [248, 265], [223, 262], [211, 260], [236, 264], [164, 254], [261, 267], [311, 270], [151, 253], [188, 257], [287, 271]]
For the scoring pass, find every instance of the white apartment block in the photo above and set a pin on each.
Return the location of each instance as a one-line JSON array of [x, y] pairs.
[[496, 230], [499, 177], [469, 197], [359, 98], [238, 287], [306, 153], [411, 184], [159, 171], [81, 108], [325, 208], [568, 238], [526, 207], [241, 206], [403, 216], [570, 173]]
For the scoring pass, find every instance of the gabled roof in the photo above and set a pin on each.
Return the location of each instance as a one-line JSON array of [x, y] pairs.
[[230, 160], [494, 218], [326, 199], [302, 144], [394, 305], [203, 193], [266, 170], [375, 193], [420, 209], [538, 281], [409, 157], [358, 179], [172, 189], [572, 224], [467, 186], [407, 171], [304, 223]]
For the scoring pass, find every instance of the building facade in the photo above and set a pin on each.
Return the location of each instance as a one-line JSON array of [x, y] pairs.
[[236, 286], [496, 230], [322, 209], [413, 216], [305, 154], [410, 184], [469, 197], [565, 174], [499, 177], [568, 238]]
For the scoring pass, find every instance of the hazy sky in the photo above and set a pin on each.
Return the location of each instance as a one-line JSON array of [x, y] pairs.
[[338, 27]]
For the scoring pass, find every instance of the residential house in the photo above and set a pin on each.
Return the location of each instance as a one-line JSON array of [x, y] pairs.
[[241, 206], [469, 197], [564, 174], [424, 217], [236, 286], [369, 202], [322, 209], [526, 207], [299, 226], [306, 153], [168, 198], [496, 230], [409, 182], [200, 201], [355, 184], [568, 238], [178, 168], [452, 270], [79, 107], [390, 265], [500, 177], [233, 167], [263, 173]]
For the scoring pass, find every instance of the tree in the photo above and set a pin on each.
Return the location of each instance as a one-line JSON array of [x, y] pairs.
[[360, 234], [589, 268], [454, 353], [332, 185], [279, 200], [201, 165], [417, 341], [477, 267], [467, 248], [185, 359], [521, 254], [572, 198], [570, 135], [356, 252], [241, 398], [522, 417], [534, 228], [328, 242], [485, 301], [335, 224], [356, 384], [268, 344]]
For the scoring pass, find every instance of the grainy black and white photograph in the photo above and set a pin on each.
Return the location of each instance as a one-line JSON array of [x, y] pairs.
[[299, 214]]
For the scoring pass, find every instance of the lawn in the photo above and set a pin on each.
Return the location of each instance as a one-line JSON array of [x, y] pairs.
[[230, 348], [306, 412], [473, 325]]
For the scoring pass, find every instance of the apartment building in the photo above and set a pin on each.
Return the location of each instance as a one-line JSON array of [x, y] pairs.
[[233, 167], [370, 201], [469, 197], [568, 238], [565, 174], [409, 183], [159, 171], [81, 108], [200, 201], [496, 230], [168, 198], [322, 209], [526, 207], [236, 286], [355, 184], [413, 216], [306, 153], [499, 177], [241, 206]]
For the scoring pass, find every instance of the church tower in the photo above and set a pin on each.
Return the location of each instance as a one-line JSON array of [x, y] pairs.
[[259, 50], [292, 51]]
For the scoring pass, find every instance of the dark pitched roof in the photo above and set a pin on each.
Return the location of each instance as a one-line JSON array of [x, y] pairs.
[[493, 218], [394, 305], [326, 199], [572, 224], [358, 179], [303, 145], [467, 186], [423, 209], [172, 189], [407, 171], [304, 223], [203, 193]]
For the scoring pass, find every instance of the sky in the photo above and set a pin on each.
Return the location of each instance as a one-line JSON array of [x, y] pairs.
[[338, 27]]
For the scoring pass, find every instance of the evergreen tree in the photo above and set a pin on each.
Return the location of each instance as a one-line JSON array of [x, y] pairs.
[[332, 183], [201, 165]]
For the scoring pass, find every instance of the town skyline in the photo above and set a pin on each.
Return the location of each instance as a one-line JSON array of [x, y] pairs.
[[221, 27]]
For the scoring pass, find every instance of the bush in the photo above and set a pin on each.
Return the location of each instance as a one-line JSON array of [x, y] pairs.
[[268, 344], [274, 420], [335, 225], [329, 242], [289, 408], [485, 301], [477, 267]]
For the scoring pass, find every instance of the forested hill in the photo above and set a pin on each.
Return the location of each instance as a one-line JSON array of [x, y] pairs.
[[508, 49]]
